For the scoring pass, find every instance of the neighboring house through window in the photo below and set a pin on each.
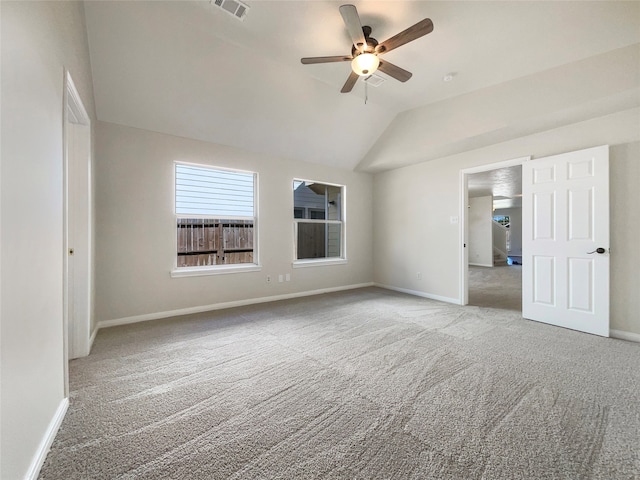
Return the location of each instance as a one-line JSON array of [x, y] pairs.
[[215, 218], [318, 212]]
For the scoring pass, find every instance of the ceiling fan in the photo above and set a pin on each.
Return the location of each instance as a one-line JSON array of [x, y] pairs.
[[366, 50]]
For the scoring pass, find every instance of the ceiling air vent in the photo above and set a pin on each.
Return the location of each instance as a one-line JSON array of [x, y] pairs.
[[374, 80], [232, 7]]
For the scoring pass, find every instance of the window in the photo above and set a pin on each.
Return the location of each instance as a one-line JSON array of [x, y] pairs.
[[215, 217], [318, 220]]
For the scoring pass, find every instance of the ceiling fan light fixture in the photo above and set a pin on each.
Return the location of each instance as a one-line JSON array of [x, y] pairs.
[[365, 49], [365, 64]]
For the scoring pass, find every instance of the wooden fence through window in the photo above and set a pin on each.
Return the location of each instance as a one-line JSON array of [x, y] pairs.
[[203, 242]]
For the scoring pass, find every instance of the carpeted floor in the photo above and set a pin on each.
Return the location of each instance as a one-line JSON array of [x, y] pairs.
[[363, 384], [496, 287]]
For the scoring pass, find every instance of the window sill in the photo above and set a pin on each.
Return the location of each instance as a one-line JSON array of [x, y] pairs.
[[219, 270], [319, 262]]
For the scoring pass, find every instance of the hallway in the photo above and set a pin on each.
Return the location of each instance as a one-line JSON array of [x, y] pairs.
[[496, 287]]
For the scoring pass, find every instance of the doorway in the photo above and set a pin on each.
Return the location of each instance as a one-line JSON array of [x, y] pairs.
[[77, 226], [491, 235]]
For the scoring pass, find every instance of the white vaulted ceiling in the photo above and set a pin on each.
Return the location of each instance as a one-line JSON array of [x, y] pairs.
[[188, 68]]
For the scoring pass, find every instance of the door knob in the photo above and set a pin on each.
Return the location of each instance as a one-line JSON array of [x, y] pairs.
[[598, 250]]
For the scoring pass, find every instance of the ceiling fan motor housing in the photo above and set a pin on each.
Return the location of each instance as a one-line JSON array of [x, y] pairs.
[[372, 43]]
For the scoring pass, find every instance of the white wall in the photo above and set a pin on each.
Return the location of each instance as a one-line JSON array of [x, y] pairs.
[[515, 228], [481, 231], [412, 207], [38, 39], [135, 225]]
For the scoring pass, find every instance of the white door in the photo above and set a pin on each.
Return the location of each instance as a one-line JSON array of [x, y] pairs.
[[565, 271], [77, 225], [78, 239]]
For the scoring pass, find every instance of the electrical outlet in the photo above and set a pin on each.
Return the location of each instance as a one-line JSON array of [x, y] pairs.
[[419, 276], [287, 277], [268, 278], [280, 278]]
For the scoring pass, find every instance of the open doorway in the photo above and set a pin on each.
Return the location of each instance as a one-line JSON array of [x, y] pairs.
[[492, 235]]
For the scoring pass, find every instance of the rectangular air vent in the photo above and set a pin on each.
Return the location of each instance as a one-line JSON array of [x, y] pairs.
[[374, 80], [232, 7]]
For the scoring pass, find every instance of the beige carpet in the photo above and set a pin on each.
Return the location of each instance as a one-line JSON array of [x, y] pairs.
[[496, 287], [365, 384]]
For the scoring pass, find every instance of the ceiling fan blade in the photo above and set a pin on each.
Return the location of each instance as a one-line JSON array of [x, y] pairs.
[[338, 58], [354, 27], [394, 71], [418, 30], [351, 81]]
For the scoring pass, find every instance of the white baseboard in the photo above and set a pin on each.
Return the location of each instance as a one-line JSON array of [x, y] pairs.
[[219, 306], [622, 335], [47, 440], [420, 294], [481, 264]]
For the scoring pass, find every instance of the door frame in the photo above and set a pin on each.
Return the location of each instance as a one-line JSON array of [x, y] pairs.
[[463, 292], [74, 112]]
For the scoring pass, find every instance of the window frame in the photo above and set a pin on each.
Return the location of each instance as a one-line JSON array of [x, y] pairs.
[[315, 262], [205, 270]]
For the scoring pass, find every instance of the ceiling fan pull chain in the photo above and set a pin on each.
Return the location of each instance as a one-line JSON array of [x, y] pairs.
[[366, 91]]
